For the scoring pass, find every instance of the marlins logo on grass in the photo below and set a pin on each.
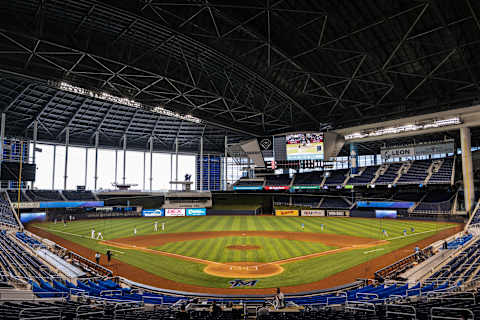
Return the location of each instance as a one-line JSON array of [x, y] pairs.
[[242, 283]]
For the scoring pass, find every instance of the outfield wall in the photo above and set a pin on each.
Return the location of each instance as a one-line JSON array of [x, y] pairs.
[[215, 212]]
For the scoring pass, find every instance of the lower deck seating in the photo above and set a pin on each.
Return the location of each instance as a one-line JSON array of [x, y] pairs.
[[16, 262], [7, 216], [462, 267]]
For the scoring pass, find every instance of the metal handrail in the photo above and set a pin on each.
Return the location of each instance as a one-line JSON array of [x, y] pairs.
[[367, 304], [89, 313], [20, 314], [375, 295], [406, 306], [152, 298], [451, 309], [110, 292]]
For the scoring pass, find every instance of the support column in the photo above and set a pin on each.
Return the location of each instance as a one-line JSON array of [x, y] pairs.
[[201, 163], [34, 151], [116, 166], [225, 170], [2, 134], [151, 164], [86, 167], [67, 143], [467, 169], [171, 169], [209, 172], [144, 169], [95, 178], [124, 157], [176, 162], [53, 166]]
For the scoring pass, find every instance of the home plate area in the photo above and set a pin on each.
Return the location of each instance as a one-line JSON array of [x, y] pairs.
[[243, 269]]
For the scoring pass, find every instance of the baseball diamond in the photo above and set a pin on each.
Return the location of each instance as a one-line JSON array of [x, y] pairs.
[[197, 251]]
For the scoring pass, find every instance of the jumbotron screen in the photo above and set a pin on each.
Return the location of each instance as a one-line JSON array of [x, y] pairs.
[[305, 146]]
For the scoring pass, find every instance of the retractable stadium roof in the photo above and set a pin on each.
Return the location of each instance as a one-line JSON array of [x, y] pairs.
[[245, 68]]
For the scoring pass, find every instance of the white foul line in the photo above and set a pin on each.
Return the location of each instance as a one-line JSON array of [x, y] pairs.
[[379, 249]]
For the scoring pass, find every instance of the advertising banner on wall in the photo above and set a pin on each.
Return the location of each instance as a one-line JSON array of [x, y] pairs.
[[385, 204], [423, 150], [397, 152], [418, 150], [277, 187], [72, 204], [313, 213], [175, 212], [338, 213], [153, 212], [306, 187], [194, 212], [287, 213], [247, 187]]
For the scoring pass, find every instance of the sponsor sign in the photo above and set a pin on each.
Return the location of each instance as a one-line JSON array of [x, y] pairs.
[[247, 188], [397, 153], [418, 150], [385, 204], [153, 212], [26, 205], [287, 213], [306, 187], [313, 213], [238, 283], [338, 213], [175, 212], [277, 187], [348, 186], [196, 212], [446, 148], [71, 204]]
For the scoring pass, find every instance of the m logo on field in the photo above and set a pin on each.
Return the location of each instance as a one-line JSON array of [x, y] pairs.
[[238, 283]]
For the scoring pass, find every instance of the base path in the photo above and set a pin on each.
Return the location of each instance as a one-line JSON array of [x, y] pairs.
[[365, 270], [244, 269]]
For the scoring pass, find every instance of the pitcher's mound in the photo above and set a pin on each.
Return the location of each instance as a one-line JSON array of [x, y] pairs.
[[243, 247], [243, 270]]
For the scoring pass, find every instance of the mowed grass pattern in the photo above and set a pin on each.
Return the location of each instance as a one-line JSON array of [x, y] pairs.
[[296, 273], [366, 228], [270, 249]]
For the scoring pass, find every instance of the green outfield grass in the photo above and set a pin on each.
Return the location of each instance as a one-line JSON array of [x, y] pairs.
[[295, 273]]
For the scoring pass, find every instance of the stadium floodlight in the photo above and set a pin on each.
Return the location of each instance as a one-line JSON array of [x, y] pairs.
[[123, 101], [427, 124]]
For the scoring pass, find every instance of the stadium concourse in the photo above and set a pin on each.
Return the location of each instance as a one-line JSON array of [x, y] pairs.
[[239, 159]]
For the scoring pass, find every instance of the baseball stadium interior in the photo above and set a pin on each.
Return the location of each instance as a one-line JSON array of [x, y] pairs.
[[239, 159]]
